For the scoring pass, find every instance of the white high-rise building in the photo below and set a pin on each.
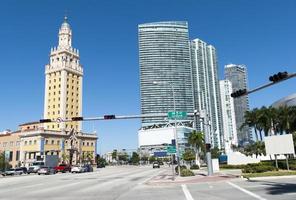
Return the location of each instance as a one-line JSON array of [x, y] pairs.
[[228, 116], [206, 87]]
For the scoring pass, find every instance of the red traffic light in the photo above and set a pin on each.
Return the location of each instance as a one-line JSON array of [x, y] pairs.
[[109, 116]]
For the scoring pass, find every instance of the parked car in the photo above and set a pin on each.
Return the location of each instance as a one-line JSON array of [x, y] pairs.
[[88, 168], [22, 170], [63, 168], [35, 167], [46, 170], [77, 169], [12, 172], [155, 165]]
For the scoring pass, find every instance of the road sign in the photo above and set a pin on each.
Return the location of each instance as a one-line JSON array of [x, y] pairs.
[[171, 149], [177, 115]]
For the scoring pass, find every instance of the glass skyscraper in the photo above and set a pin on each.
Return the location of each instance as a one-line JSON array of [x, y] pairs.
[[237, 75], [164, 57]]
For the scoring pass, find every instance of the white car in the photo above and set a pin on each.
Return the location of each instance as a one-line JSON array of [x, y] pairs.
[[77, 169]]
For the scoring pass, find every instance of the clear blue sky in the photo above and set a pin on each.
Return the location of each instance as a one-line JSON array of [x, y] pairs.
[[260, 34]]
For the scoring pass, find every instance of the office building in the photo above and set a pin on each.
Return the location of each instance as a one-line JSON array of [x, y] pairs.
[[228, 116], [237, 75], [164, 58]]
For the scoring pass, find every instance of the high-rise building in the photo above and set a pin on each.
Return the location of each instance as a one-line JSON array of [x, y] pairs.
[[164, 57], [237, 75], [63, 82], [228, 116], [206, 87]]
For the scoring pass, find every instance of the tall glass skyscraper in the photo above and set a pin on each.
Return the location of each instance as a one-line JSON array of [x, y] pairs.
[[237, 75], [164, 57], [206, 88]]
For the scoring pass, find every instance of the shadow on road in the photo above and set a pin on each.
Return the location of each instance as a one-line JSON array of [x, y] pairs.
[[276, 188]]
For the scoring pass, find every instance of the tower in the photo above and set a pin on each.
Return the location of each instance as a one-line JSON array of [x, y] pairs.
[[63, 82], [237, 75], [164, 57]]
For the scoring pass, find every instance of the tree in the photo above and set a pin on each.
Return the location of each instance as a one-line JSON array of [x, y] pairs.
[[196, 139], [152, 159], [123, 157], [257, 148], [4, 164], [135, 159], [114, 155], [215, 152], [188, 155]]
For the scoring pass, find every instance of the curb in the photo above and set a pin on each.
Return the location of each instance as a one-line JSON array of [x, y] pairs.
[[270, 177]]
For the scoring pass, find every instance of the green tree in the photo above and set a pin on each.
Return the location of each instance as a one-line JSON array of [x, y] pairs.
[[135, 159], [152, 159], [215, 152], [188, 155], [196, 139], [257, 148], [3, 163], [114, 155], [123, 157]]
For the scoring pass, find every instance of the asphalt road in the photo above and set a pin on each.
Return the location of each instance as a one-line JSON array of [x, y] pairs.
[[128, 183]]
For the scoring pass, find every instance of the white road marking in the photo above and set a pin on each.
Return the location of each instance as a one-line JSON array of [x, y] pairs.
[[246, 191], [186, 192]]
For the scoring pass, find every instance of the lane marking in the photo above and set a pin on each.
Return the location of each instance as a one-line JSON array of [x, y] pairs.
[[186, 192], [246, 191]]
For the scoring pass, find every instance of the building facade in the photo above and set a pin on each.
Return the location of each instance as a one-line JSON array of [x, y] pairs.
[[63, 82], [165, 68], [206, 89], [63, 99], [229, 124], [237, 75]]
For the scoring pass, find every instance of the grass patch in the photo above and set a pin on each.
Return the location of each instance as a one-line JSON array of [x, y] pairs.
[[271, 173]]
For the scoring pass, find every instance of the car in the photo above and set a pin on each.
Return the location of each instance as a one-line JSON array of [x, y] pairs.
[[77, 169], [22, 170], [88, 168], [155, 165], [63, 168], [46, 171], [9, 172]]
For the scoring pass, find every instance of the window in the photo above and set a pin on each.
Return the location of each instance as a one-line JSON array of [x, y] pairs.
[[87, 144], [46, 141], [58, 142], [35, 141], [30, 142], [49, 88], [10, 155], [53, 126], [83, 143], [4, 144], [11, 144], [52, 141], [54, 87], [17, 156], [54, 80], [17, 143]]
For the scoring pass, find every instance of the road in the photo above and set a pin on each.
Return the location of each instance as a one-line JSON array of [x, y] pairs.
[[130, 183]]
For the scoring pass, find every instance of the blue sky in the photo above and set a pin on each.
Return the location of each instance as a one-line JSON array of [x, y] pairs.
[[260, 34]]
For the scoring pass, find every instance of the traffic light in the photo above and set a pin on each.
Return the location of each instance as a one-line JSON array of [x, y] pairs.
[[173, 142], [278, 77], [45, 120], [77, 118], [109, 116], [239, 93]]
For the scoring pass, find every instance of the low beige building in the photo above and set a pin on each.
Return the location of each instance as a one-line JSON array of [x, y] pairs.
[[32, 141]]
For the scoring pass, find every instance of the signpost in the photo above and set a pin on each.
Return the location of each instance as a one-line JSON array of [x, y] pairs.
[[177, 115], [171, 149]]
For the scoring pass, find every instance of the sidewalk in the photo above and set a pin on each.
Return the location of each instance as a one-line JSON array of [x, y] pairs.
[[200, 176]]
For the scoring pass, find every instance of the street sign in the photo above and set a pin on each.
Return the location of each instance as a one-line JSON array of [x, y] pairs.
[[171, 149], [177, 115]]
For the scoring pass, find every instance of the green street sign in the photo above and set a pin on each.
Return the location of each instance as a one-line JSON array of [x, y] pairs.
[[171, 149], [177, 115]]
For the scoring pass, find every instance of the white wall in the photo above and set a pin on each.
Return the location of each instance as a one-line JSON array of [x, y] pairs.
[[155, 136]]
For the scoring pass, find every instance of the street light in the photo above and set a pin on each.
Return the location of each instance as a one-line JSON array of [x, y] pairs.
[[175, 120]]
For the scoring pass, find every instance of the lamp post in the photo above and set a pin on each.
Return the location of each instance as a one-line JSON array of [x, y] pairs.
[[175, 120]]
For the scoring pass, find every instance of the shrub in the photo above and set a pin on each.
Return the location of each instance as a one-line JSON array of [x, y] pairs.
[[194, 167], [223, 166], [186, 172], [181, 167], [257, 168]]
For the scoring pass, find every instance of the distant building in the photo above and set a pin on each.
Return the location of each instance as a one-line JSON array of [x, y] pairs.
[[155, 139], [206, 87], [229, 124], [285, 101], [164, 57], [237, 75]]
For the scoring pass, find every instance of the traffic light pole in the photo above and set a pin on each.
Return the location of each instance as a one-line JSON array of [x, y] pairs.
[[267, 85]]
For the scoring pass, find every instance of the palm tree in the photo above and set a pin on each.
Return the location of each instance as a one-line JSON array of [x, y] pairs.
[[196, 139]]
